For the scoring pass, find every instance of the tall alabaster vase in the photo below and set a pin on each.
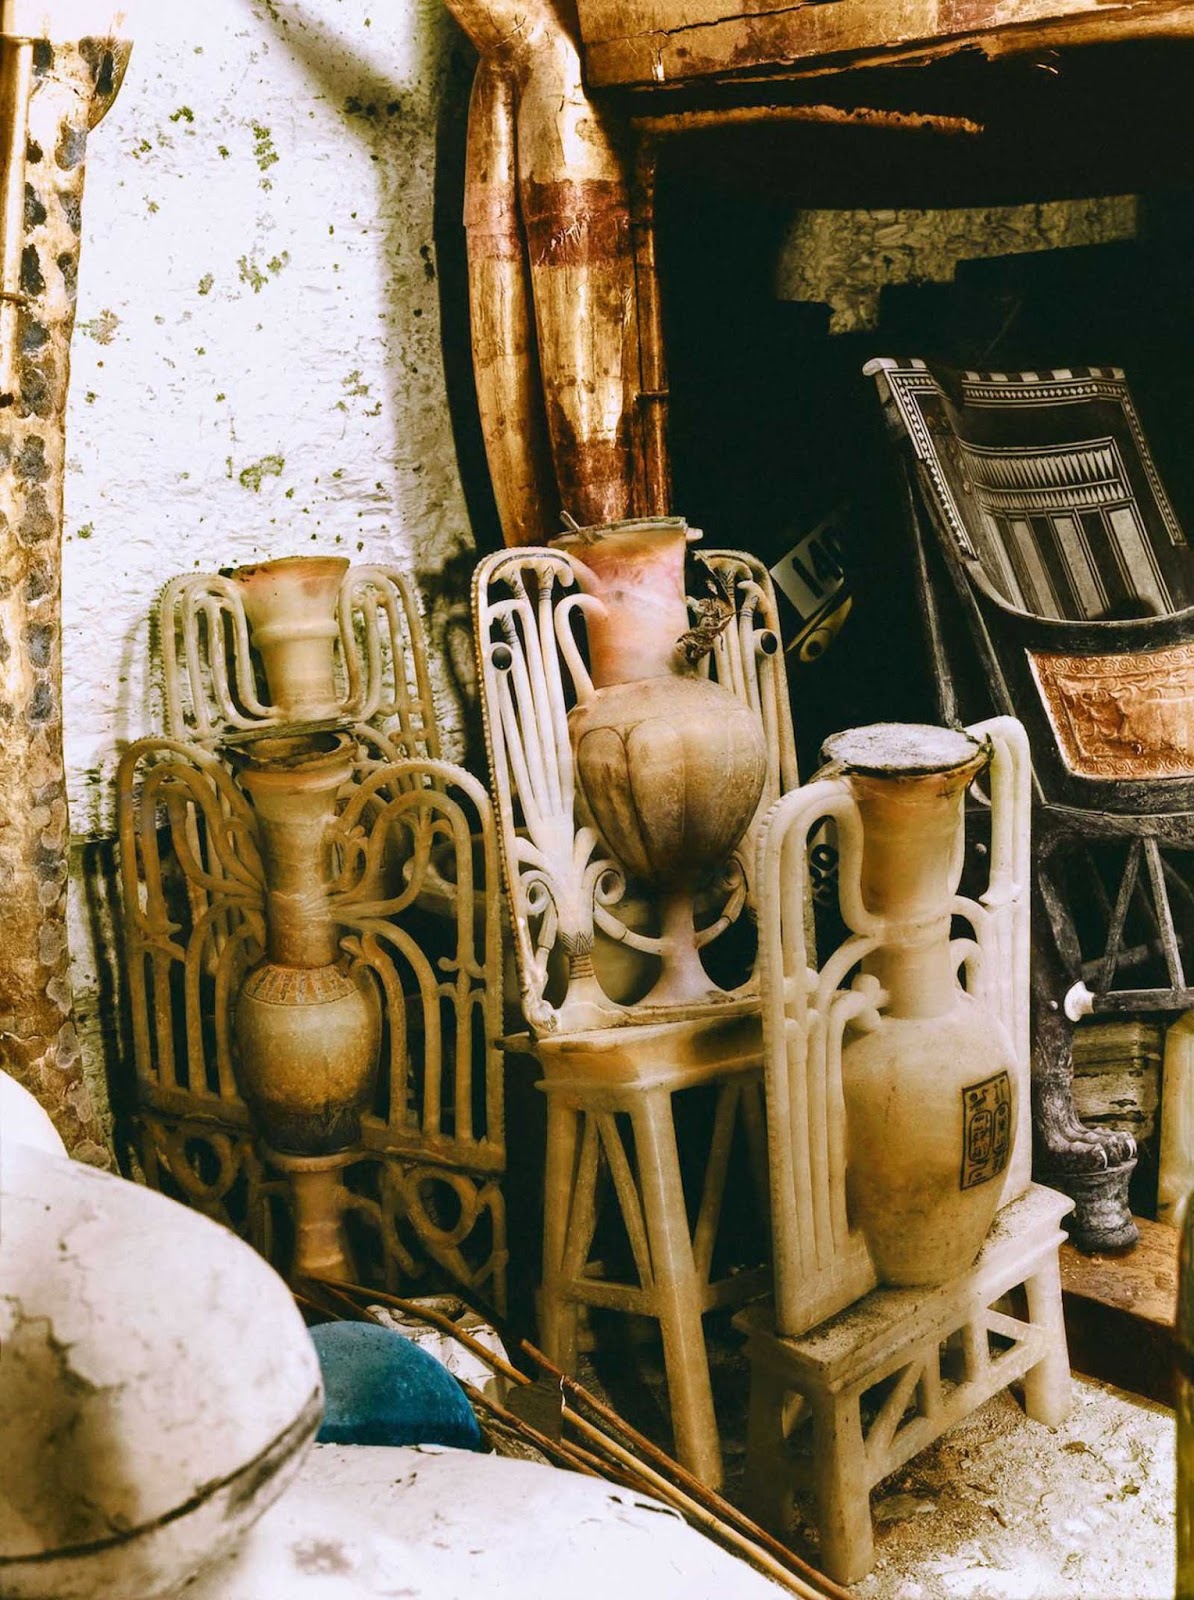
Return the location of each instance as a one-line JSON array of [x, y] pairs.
[[916, 1265], [307, 1027], [927, 1076], [670, 765], [289, 1022]]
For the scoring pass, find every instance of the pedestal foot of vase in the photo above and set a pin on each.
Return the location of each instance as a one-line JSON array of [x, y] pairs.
[[321, 1249]]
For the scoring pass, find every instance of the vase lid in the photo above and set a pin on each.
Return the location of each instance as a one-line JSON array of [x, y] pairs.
[[902, 749]]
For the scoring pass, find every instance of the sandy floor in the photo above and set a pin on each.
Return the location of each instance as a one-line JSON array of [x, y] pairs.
[[1001, 1508], [1005, 1509]]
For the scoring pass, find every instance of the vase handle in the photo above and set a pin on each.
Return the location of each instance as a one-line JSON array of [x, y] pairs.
[[569, 649]]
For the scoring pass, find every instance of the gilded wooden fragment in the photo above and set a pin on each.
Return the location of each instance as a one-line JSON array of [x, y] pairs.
[[1121, 716], [53, 94], [574, 212]]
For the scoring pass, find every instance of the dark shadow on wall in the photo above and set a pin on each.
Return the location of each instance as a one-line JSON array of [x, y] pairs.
[[774, 426], [454, 321]]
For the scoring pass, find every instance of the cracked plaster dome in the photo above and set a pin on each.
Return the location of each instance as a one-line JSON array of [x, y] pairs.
[[157, 1385]]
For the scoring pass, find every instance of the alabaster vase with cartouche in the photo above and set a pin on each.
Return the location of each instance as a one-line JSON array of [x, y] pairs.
[[928, 1081], [669, 764]]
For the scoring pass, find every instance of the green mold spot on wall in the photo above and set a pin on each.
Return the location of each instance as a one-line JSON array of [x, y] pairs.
[[205, 283], [183, 114], [86, 530], [251, 477], [353, 383], [102, 328], [263, 151], [249, 272], [276, 263], [223, 152]]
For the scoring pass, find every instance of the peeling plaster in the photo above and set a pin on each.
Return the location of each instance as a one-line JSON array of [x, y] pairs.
[[257, 370]]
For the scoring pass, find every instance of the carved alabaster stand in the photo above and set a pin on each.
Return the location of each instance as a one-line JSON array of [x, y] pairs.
[[631, 764], [314, 962], [902, 1209]]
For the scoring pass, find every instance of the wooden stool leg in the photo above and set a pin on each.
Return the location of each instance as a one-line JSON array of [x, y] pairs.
[[1047, 1385], [676, 1288], [557, 1308], [843, 1496]]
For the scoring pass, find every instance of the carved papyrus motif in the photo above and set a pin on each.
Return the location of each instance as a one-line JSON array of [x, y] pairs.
[[1121, 716]]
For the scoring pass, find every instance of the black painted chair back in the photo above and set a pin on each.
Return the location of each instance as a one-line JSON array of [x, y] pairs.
[[1037, 493]]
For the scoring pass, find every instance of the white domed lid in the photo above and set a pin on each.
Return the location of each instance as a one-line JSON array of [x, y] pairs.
[[152, 1361], [24, 1120]]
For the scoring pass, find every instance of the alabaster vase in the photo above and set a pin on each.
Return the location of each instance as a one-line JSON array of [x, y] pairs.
[[291, 607], [670, 765], [929, 1097], [307, 1026]]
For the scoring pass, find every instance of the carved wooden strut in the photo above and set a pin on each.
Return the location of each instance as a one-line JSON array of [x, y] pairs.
[[53, 95]]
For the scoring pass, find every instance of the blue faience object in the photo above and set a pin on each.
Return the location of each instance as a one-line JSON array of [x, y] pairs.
[[381, 1388]]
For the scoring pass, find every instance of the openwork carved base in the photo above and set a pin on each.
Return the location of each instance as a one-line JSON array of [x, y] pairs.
[[403, 1215], [835, 1411]]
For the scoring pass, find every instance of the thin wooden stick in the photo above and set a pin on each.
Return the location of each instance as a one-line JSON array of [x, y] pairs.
[[436, 1319], [684, 1479], [676, 122], [745, 1545], [667, 1478]]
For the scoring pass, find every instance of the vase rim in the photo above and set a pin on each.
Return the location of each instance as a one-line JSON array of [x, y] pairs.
[[585, 536], [288, 750], [903, 749], [321, 565]]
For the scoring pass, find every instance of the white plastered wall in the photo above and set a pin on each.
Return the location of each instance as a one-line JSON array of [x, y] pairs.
[[257, 366]]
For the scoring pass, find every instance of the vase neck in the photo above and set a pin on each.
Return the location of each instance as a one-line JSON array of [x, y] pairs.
[[913, 835], [292, 610], [294, 806], [635, 573]]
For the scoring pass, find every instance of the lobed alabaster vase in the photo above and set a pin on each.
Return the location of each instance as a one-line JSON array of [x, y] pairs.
[[670, 765]]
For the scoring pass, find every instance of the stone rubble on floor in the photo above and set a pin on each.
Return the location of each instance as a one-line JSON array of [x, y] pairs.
[[1003, 1508]]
